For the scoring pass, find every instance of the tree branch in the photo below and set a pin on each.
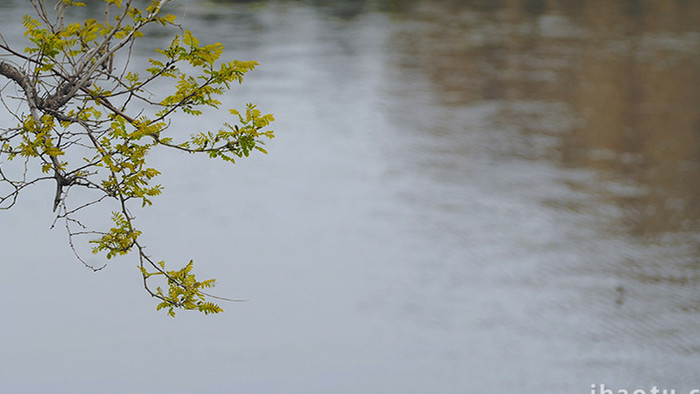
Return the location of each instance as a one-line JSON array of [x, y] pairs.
[[22, 80]]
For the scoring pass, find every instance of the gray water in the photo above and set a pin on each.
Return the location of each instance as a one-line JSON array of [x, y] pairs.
[[463, 197]]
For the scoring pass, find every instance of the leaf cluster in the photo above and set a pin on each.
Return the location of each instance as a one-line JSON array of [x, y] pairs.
[[87, 120], [184, 291]]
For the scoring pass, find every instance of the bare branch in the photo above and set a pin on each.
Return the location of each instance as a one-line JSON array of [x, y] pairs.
[[22, 80]]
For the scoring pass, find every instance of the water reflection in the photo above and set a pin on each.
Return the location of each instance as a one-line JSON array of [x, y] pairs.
[[606, 92], [615, 83]]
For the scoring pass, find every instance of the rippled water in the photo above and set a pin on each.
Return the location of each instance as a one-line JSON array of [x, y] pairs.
[[464, 197]]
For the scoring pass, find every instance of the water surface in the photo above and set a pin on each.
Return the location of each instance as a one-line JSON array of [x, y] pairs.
[[463, 197]]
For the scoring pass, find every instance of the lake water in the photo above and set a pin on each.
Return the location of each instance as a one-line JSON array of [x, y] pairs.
[[463, 197]]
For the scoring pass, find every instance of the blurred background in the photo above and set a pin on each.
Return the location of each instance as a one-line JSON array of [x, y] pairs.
[[463, 197]]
